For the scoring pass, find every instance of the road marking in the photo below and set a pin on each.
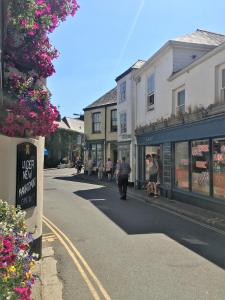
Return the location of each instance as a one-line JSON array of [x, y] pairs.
[[49, 237], [74, 255], [96, 200], [181, 216]]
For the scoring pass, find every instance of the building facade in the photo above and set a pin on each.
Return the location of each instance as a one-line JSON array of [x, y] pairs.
[[181, 118], [100, 128], [66, 143], [126, 116]]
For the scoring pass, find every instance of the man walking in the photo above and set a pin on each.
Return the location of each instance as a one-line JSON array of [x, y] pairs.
[[123, 173]]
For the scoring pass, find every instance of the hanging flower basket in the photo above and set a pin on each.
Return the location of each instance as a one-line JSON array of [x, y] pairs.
[[28, 110]]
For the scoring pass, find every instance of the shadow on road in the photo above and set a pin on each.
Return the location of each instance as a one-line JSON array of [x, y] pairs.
[[136, 217]]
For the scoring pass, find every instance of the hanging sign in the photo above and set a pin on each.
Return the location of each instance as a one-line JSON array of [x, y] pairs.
[[26, 178]]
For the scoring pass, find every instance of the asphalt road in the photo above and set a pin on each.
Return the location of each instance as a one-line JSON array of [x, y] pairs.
[[136, 250]]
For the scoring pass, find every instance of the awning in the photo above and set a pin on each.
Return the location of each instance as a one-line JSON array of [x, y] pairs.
[[45, 152]]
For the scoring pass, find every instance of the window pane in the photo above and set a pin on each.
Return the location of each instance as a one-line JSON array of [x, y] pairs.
[[181, 98], [200, 167], [151, 100], [123, 91], [151, 83], [114, 120], [219, 168], [123, 122], [181, 165], [223, 78]]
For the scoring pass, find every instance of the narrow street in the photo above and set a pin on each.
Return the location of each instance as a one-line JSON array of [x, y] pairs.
[[135, 250]]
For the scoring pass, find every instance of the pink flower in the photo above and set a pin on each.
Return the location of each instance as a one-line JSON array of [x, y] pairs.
[[23, 22], [31, 33]]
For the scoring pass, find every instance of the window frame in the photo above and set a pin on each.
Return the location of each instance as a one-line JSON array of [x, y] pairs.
[[223, 78], [180, 108], [122, 91], [123, 126], [94, 122], [151, 92], [114, 126]]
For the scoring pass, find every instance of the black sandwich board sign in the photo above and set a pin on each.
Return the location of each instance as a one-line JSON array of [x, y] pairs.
[[26, 175]]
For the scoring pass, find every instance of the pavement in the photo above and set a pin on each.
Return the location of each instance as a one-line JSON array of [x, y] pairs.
[[49, 286], [197, 214]]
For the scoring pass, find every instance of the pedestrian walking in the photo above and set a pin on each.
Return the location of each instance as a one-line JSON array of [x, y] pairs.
[[78, 165], [116, 173], [90, 166], [100, 167], [123, 173], [109, 168], [153, 172]]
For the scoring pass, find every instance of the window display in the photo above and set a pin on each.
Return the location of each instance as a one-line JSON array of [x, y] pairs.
[[219, 168], [200, 166], [150, 150], [181, 165]]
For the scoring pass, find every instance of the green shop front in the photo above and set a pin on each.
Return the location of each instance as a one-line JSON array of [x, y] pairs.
[[191, 159]]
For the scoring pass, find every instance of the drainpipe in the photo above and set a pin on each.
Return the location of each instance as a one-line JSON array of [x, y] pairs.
[[105, 137], [1, 49]]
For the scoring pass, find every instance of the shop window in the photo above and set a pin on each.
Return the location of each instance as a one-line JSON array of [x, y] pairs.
[[96, 152], [182, 165], [200, 167], [150, 150], [219, 168]]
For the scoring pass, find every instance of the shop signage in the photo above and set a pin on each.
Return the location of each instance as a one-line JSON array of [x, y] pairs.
[[126, 136], [26, 175]]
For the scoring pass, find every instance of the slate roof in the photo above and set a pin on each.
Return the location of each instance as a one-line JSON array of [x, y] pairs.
[[74, 124], [139, 63], [108, 98], [71, 124], [202, 37]]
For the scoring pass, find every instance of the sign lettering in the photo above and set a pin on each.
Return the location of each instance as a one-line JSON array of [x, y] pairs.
[[26, 184]]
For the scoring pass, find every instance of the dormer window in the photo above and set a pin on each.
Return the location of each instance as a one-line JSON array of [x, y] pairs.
[[151, 92]]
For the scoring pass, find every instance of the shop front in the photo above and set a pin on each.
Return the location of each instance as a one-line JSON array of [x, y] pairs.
[[95, 151], [124, 150], [192, 159]]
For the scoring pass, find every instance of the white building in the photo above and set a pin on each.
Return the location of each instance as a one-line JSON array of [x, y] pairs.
[[180, 108], [126, 115]]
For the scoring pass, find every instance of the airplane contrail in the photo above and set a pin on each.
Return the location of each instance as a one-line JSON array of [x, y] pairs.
[[130, 33]]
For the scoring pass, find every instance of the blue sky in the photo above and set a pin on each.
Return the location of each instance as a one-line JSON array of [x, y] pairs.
[[106, 37]]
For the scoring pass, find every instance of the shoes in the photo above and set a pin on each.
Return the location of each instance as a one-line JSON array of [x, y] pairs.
[[123, 198], [156, 196]]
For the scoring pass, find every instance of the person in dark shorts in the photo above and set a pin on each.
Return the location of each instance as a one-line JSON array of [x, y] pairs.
[[123, 173], [153, 171]]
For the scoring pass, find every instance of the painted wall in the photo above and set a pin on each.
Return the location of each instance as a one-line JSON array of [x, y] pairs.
[[110, 136], [203, 82], [8, 161], [88, 124], [183, 56], [125, 107], [162, 68]]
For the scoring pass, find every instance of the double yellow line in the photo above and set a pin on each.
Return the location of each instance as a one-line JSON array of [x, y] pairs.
[[94, 285]]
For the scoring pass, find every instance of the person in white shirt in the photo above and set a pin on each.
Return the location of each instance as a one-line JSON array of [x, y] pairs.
[[90, 166], [100, 167], [109, 168]]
